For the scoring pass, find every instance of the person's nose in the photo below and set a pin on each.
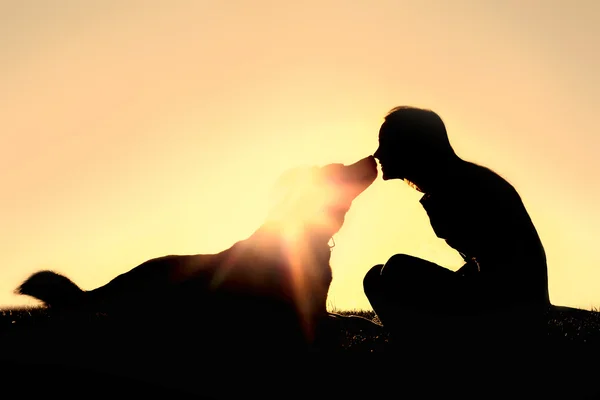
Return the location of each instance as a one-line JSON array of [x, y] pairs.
[[377, 153]]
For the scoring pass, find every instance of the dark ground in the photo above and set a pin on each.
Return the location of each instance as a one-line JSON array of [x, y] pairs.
[[82, 355]]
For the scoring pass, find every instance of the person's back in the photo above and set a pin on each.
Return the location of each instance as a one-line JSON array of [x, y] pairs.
[[482, 216]]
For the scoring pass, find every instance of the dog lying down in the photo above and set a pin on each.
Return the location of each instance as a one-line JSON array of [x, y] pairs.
[[280, 275]]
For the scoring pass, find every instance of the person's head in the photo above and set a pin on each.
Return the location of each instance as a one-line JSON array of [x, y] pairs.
[[413, 144]]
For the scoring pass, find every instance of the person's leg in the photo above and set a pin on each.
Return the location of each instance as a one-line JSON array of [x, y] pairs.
[[373, 288], [409, 292]]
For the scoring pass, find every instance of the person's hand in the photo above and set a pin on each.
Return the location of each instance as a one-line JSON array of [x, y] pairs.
[[471, 267]]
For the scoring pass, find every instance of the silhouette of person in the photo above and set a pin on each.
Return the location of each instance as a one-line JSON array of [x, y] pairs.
[[477, 212]]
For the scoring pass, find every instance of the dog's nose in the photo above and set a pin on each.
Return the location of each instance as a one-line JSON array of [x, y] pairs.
[[371, 160], [367, 166]]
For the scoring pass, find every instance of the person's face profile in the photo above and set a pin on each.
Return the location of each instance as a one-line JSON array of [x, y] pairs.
[[386, 153]]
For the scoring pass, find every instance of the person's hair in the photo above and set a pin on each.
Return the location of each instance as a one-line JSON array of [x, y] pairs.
[[424, 126]]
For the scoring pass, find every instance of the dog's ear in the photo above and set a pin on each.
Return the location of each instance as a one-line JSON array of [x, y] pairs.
[[292, 178], [332, 176], [291, 188]]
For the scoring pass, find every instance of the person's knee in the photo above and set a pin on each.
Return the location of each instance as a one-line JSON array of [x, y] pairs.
[[371, 281], [400, 264], [402, 260], [386, 274]]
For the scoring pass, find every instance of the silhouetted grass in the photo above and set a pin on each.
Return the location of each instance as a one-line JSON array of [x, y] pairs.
[[564, 323], [87, 346], [347, 334]]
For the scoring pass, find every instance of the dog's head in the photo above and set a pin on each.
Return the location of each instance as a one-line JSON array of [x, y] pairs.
[[317, 198]]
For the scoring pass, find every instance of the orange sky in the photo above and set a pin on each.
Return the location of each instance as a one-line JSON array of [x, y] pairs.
[[131, 130]]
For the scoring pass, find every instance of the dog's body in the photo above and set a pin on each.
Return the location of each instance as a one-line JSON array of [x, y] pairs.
[[281, 273]]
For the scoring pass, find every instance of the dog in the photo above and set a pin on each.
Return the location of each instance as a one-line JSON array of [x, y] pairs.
[[275, 281]]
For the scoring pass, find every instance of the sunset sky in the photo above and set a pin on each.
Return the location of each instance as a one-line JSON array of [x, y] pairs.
[[136, 129]]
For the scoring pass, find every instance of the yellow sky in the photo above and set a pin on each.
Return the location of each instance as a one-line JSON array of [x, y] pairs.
[[131, 130]]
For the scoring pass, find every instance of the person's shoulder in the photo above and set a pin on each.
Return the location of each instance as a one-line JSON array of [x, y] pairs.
[[484, 178]]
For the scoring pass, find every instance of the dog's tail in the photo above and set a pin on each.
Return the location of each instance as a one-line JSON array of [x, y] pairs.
[[54, 290]]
